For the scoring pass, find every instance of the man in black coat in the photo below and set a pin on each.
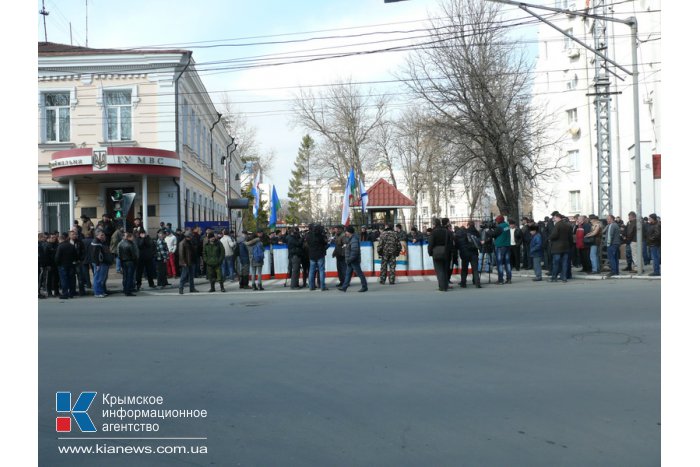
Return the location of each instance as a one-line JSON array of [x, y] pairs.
[[295, 251], [560, 244], [145, 263], [317, 242], [466, 242], [66, 259], [440, 246], [339, 254]]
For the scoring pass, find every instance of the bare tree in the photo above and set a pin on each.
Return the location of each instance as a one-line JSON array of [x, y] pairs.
[[346, 121], [478, 82]]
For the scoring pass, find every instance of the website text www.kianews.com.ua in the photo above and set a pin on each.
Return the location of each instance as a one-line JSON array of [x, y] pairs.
[[102, 448]]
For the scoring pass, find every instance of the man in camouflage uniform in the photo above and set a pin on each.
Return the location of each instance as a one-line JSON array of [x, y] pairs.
[[388, 248]]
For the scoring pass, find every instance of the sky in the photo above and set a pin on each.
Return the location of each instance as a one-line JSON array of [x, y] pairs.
[[254, 91]]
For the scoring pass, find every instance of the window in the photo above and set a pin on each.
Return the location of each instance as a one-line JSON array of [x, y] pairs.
[[424, 211], [57, 115], [452, 193], [575, 201], [452, 210], [90, 212], [118, 104], [573, 159], [569, 43], [151, 210], [572, 83], [185, 122], [572, 116]]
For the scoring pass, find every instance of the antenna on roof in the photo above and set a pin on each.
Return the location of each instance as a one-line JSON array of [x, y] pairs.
[[44, 13], [86, 24]]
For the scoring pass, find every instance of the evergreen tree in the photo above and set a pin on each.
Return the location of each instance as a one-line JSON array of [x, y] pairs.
[[300, 195]]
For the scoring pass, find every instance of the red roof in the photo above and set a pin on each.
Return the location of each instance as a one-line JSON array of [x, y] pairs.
[[383, 195]]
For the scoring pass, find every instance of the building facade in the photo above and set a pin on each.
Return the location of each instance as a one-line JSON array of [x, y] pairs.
[[139, 121], [568, 82]]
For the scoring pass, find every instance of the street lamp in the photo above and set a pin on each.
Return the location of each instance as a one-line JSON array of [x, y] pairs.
[[632, 23]]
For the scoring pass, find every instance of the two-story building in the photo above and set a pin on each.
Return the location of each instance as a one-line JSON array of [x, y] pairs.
[[140, 121]]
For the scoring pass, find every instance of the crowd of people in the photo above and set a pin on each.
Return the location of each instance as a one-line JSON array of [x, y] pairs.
[[70, 263]]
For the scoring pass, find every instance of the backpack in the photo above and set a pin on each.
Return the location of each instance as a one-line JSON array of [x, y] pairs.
[[259, 253]]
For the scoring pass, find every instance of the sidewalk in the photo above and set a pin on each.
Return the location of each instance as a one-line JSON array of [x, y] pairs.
[[114, 281]]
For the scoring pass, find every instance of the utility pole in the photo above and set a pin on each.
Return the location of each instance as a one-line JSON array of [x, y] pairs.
[[601, 83], [44, 13]]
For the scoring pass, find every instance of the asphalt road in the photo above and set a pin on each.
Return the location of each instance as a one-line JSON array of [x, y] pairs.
[[518, 375]]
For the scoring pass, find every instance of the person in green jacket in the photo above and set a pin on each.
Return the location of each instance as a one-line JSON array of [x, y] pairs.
[[213, 254], [502, 245]]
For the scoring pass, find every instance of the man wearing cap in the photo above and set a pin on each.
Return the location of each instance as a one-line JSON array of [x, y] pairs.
[[186, 252], [654, 242], [388, 248], [213, 254], [561, 240], [502, 245]]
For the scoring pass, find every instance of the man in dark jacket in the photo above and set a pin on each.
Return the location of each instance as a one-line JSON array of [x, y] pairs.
[[352, 259], [52, 276], [147, 249], [467, 243], [294, 254], [317, 243], [66, 258], [654, 242], [79, 247], [43, 262], [561, 239], [187, 258], [440, 245], [129, 256], [101, 258]]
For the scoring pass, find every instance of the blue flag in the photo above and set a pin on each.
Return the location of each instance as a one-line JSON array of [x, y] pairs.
[[274, 206]]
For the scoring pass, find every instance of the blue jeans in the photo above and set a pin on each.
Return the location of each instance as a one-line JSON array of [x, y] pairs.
[[354, 267], [119, 264], [537, 265], [656, 258], [595, 264], [66, 275], [99, 278], [559, 263], [227, 268], [646, 252], [613, 260], [128, 272], [187, 275], [321, 265], [503, 259]]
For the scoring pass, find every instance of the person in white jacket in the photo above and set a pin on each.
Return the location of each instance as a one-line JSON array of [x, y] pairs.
[[171, 242], [227, 267]]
